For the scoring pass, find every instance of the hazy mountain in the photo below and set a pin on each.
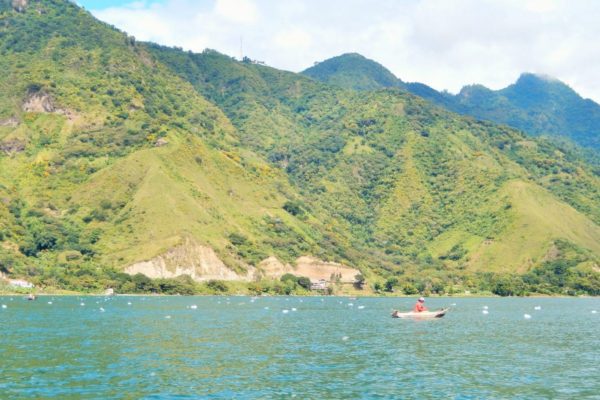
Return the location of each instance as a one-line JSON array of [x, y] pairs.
[[536, 104]]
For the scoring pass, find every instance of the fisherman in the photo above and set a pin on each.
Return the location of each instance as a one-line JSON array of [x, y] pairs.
[[420, 305]]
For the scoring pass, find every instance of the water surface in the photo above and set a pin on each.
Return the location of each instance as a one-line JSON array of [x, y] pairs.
[[237, 347]]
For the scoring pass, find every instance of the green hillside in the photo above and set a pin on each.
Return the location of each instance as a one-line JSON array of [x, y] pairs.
[[352, 71], [118, 156], [536, 104]]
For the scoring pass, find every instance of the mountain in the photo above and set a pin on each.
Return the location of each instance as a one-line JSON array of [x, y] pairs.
[[398, 173], [353, 71], [538, 105], [122, 158], [108, 159], [535, 104]]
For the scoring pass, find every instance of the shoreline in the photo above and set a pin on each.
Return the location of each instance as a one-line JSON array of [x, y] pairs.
[[401, 296]]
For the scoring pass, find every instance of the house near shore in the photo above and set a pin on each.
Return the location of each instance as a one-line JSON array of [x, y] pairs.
[[321, 284]]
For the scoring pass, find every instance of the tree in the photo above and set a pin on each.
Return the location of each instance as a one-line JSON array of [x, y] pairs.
[[289, 277], [179, 285], [237, 239], [508, 286], [437, 286], [390, 283], [409, 289], [142, 283], [359, 281], [6, 261], [217, 286], [304, 282], [294, 208], [377, 287]]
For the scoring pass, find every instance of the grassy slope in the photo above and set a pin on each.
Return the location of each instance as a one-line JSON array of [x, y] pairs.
[[534, 223], [169, 195]]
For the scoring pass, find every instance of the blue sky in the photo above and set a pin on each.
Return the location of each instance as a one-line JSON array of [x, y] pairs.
[[446, 44]]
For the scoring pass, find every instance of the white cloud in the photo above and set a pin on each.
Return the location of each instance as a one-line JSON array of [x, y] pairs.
[[244, 11], [445, 44], [541, 6], [294, 38]]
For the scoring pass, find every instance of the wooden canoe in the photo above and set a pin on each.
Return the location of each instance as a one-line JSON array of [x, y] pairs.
[[420, 315]]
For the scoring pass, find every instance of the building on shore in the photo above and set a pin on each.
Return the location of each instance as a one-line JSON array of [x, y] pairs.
[[321, 284]]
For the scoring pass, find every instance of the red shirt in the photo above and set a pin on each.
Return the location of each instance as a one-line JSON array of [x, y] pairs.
[[419, 307]]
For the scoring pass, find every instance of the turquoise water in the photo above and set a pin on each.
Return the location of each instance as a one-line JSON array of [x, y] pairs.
[[159, 347]]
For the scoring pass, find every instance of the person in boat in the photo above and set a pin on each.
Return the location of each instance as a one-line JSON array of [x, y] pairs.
[[420, 305]]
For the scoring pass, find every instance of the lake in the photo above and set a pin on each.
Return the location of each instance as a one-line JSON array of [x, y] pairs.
[[330, 347]]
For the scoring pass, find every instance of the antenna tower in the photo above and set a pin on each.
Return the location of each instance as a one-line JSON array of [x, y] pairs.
[[241, 48]]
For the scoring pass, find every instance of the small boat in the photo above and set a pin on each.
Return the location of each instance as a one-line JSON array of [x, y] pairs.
[[31, 297], [420, 315]]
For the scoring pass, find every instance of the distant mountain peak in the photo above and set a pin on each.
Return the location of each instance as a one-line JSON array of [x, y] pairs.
[[353, 71], [534, 90], [527, 78], [476, 87], [539, 76], [351, 54], [345, 57]]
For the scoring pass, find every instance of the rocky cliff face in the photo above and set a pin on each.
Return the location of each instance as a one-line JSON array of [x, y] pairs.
[[39, 102], [317, 269], [310, 267], [200, 262]]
